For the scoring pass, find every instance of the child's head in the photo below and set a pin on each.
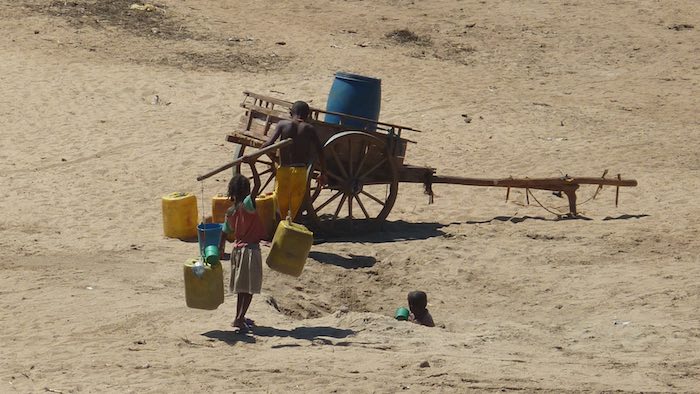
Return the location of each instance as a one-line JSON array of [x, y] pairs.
[[417, 301], [238, 188]]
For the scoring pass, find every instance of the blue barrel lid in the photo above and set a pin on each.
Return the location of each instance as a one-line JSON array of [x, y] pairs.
[[356, 77]]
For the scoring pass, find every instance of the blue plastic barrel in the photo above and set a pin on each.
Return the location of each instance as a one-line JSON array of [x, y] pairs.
[[356, 95], [208, 234]]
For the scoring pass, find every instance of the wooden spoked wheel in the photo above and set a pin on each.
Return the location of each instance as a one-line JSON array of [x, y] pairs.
[[362, 183], [265, 166]]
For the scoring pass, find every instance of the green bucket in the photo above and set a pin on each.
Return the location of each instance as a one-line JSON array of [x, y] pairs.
[[211, 254], [402, 314]]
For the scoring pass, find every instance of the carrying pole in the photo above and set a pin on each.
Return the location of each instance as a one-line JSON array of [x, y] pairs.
[[243, 158]]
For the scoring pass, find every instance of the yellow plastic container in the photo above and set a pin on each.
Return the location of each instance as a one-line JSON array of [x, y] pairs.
[[180, 215], [206, 292], [266, 205], [290, 248], [219, 205]]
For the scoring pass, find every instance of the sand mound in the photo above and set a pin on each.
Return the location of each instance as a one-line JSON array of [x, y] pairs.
[[105, 108]]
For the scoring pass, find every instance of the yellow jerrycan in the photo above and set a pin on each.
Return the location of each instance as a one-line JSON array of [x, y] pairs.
[[266, 205], [290, 248], [220, 203], [204, 285], [180, 216]]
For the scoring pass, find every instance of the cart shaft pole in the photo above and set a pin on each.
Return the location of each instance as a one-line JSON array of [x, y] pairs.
[[568, 185], [555, 184]]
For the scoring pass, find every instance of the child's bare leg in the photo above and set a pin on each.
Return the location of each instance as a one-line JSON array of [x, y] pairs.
[[237, 322], [242, 305], [246, 303]]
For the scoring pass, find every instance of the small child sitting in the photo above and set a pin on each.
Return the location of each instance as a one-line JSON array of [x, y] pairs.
[[417, 303]]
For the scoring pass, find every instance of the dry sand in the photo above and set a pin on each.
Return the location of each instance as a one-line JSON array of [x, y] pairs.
[[92, 293]]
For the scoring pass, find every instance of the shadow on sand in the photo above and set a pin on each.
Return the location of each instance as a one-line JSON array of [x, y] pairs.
[[302, 333], [520, 219], [388, 232], [305, 333], [230, 337], [626, 217], [351, 262]]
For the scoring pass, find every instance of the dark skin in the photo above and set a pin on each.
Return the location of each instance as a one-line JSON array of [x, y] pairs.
[[244, 299], [420, 314], [306, 143]]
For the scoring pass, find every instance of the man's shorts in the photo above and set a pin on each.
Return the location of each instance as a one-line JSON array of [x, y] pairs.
[[290, 187]]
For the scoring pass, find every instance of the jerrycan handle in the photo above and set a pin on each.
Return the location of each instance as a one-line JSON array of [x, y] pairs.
[[289, 208]]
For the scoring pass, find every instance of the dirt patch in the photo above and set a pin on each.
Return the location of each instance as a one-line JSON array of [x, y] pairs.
[[300, 310], [152, 21], [317, 293], [155, 20], [681, 26], [447, 51], [225, 61], [426, 47], [458, 53], [405, 36]]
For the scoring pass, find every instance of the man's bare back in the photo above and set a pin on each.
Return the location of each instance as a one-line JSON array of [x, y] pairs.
[[306, 146], [291, 177], [306, 143]]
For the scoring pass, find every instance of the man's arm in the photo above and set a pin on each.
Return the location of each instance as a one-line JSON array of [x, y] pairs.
[[274, 136]]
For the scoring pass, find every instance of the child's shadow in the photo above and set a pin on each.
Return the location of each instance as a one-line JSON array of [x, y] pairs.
[[230, 337]]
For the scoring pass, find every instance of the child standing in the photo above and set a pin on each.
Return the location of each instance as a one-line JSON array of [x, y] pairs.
[[246, 262]]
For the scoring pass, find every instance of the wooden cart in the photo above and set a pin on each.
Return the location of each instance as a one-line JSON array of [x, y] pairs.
[[364, 167]]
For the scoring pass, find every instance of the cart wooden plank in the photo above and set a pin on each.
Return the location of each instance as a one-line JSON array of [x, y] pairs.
[[316, 111]]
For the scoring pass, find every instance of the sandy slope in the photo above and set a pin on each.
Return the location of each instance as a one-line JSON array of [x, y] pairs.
[[92, 296]]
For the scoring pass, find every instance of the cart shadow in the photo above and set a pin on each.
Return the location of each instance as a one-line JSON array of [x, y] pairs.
[[520, 219], [626, 217], [388, 232], [352, 262]]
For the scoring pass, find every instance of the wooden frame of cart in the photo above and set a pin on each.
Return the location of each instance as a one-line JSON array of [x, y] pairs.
[[364, 167]]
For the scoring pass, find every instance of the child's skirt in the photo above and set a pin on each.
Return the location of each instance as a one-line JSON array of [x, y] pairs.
[[246, 270]]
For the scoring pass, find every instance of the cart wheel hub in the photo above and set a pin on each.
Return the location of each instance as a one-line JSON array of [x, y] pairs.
[[353, 187]]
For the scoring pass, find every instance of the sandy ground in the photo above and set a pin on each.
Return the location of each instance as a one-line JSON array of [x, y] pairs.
[[92, 297]]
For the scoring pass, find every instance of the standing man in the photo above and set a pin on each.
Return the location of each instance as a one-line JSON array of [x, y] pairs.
[[290, 180]]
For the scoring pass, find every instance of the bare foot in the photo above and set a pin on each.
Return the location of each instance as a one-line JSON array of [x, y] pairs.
[[240, 325]]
